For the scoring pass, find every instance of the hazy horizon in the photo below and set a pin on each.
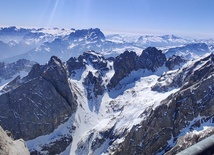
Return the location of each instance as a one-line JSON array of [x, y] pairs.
[[192, 18]]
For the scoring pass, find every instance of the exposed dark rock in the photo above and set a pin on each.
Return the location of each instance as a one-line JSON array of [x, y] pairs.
[[188, 108], [88, 58], [44, 100], [93, 85], [151, 59], [125, 63], [12, 85], [74, 64], [187, 75], [174, 61], [96, 60], [55, 147]]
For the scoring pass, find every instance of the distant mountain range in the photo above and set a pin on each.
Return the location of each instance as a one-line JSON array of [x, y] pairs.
[[40, 44]]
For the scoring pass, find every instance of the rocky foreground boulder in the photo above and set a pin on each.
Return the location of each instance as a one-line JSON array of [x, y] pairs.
[[8, 146]]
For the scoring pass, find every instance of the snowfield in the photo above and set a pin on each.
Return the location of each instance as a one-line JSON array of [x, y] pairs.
[[122, 113]]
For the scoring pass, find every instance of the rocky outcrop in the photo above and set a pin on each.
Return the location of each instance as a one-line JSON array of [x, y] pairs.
[[151, 59], [43, 101], [173, 61], [73, 64], [125, 63], [190, 139], [93, 85], [55, 147], [96, 60], [183, 111], [87, 34], [187, 75], [10, 147]]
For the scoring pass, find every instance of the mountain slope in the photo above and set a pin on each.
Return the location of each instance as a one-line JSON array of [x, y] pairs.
[[46, 97], [191, 108], [129, 104]]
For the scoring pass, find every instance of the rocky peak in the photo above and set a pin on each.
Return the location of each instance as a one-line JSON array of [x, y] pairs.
[[54, 60], [74, 64], [93, 84], [47, 97], [88, 34], [151, 58], [173, 61], [97, 60], [125, 63]]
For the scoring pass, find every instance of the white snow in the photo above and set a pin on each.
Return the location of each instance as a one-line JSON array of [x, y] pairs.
[[4, 82], [122, 112]]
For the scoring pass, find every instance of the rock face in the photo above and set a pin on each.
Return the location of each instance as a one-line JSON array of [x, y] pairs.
[[93, 85], [185, 75], [42, 101], [187, 109], [173, 61], [10, 147], [92, 58], [124, 64]]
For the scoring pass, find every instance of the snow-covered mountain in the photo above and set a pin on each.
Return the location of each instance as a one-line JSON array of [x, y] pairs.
[[128, 104], [40, 44], [100, 94]]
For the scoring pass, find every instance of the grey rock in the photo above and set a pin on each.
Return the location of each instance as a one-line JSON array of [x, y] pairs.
[[188, 108], [125, 63], [173, 61], [93, 85], [186, 75], [8, 146], [40, 104]]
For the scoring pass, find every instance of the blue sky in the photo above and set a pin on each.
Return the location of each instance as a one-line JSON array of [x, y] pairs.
[[180, 17]]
